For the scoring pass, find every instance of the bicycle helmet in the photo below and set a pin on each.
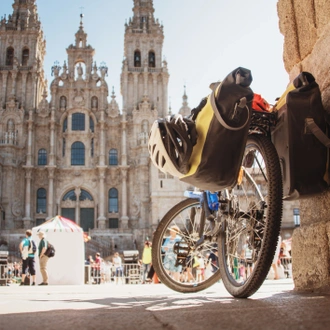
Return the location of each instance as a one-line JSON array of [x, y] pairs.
[[171, 142]]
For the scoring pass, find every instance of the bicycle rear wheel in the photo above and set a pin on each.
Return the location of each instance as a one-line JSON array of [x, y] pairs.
[[184, 254], [251, 226]]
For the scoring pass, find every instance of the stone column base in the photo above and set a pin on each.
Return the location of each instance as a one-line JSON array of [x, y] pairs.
[[311, 256], [124, 222], [101, 223]]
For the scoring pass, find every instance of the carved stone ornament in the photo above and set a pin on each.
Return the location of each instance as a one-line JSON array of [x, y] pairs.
[[136, 207], [78, 99], [43, 109], [11, 105], [16, 208]]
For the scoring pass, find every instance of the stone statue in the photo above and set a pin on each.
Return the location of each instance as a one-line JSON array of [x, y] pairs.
[[80, 70], [63, 102]]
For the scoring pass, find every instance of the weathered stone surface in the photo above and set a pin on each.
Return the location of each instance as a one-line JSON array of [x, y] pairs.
[[310, 257], [315, 209], [305, 25], [302, 23]]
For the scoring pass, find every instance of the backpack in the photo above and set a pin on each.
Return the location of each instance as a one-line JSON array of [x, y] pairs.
[[32, 247], [50, 252]]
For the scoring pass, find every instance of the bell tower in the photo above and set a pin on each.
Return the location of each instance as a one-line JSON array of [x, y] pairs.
[[144, 73], [22, 84], [22, 51]]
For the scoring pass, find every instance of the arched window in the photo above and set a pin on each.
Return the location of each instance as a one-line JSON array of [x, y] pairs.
[[113, 157], [70, 196], [42, 157], [137, 59], [41, 200], [78, 121], [85, 195], [10, 56], [113, 200], [77, 153], [25, 57], [91, 124], [65, 125], [152, 59]]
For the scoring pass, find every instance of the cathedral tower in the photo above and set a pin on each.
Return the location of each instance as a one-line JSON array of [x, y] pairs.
[[22, 82], [144, 73]]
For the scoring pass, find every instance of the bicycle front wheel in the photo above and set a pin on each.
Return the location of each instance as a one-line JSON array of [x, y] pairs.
[[251, 225], [184, 253]]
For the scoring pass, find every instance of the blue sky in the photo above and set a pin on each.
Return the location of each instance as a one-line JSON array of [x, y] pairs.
[[204, 40]]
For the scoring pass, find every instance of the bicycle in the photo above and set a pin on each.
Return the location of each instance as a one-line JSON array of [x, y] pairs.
[[233, 237]]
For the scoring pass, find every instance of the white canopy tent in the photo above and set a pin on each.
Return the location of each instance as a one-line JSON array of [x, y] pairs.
[[67, 266]]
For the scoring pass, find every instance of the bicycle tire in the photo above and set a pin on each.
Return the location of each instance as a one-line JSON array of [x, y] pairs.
[[188, 234], [249, 235]]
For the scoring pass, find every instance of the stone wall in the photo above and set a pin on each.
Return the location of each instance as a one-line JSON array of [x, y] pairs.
[[305, 25]]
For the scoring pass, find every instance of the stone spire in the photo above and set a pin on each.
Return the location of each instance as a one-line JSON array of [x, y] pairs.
[[24, 17], [81, 36], [185, 109], [143, 17]]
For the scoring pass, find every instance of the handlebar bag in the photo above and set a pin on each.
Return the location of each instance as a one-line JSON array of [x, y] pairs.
[[222, 124], [300, 138]]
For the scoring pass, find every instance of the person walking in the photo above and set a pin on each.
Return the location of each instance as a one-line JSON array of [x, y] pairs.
[[146, 260], [26, 248], [43, 259]]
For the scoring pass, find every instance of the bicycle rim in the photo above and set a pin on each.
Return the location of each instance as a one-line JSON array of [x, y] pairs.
[[179, 261], [251, 226]]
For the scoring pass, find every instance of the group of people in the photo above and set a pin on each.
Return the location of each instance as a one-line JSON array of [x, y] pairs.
[[98, 270], [28, 255]]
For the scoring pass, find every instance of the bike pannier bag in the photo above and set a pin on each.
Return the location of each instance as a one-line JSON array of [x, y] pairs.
[[222, 125], [303, 157]]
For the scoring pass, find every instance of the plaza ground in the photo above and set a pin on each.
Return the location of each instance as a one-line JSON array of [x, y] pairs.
[[154, 306]]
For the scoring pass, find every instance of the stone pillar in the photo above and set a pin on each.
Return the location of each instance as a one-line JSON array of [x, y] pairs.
[[165, 96], [101, 220], [30, 128], [50, 198], [124, 169], [155, 91], [51, 160], [24, 78], [125, 90], [305, 25], [124, 217], [4, 87], [27, 220], [77, 192], [135, 89], [102, 140]]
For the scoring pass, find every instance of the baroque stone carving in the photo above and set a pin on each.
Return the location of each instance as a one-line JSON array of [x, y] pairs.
[[16, 208]]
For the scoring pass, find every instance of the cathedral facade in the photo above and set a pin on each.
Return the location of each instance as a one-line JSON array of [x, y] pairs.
[[68, 148]]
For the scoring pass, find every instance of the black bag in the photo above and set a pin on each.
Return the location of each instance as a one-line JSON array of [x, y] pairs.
[[32, 247], [27, 279], [222, 123], [300, 127], [50, 252]]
